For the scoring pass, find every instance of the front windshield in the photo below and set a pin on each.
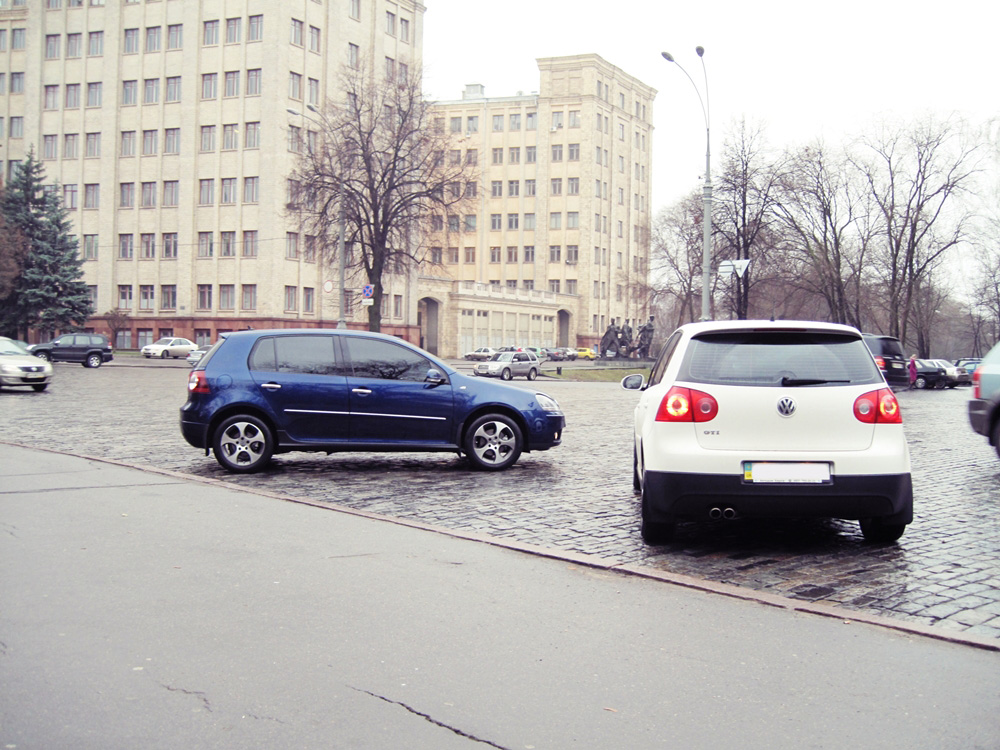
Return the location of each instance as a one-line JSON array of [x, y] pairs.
[[502, 357], [162, 342], [11, 347]]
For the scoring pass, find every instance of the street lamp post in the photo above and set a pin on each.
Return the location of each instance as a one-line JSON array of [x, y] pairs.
[[342, 220], [706, 248]]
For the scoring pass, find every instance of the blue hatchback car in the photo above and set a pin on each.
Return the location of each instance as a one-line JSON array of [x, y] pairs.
[[257, 393]]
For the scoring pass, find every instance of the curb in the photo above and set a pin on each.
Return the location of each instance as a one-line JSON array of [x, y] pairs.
[[848, 616]]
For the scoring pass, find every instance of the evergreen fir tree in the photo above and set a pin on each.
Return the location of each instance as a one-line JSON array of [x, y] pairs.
[[49, 293]]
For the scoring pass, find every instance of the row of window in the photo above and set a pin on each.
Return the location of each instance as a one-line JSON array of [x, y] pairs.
[[527, 254], [604, 93], [513, 123], [168, 245]]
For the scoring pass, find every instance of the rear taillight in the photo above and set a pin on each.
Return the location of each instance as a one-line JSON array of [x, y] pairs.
[[687, 405], [198, 383], [975, 383], [881, 363], [878, 407]]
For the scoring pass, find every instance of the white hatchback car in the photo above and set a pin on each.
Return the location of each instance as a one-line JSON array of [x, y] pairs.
[[769, 419], [169, 347]]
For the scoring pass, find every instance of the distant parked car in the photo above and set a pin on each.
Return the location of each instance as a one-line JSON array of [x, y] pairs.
[[196, 354], [570, 352], [169, 347], [258, 393], [554, 354], [889, 357], [481, 354], [984, 406], [536, 350], [506, 365], [89, 349], [969, 364], [18, 367], [930, 375], [954, 375], [585, 352]]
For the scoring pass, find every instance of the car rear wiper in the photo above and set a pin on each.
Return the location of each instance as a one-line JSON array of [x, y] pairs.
[[792, 382]]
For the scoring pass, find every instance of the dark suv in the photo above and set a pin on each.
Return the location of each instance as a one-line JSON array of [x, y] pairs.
[[257, 393], [889, 357], [89, 349]]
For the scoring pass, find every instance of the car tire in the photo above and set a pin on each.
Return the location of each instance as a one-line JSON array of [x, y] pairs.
[[654, 533], [40, 386], [532, 374], [44, 355], [874, 530], [505, 375], [995, 434], [920, 382], [147, 356], [164, 354], [952, 385], [493, 442], [93, 360], [243, 444]]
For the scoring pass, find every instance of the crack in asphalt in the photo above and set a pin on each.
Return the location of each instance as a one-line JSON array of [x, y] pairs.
[[196, 693], [429, 718]]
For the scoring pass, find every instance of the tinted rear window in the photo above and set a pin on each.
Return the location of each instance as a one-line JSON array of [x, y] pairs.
[[767, 358], [885, 347]]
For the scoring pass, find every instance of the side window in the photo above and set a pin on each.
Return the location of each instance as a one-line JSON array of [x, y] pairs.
[[384, 360], [82, 341], [305, 355], [661, 363]]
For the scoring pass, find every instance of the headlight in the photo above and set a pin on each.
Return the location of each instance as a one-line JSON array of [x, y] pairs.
[[547, 403], [10, 370]]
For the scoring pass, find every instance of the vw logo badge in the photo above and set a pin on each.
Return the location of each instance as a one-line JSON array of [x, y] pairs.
[[786, 407]]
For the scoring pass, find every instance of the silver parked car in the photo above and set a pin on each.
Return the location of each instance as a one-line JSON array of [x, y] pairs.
[[19, 367], [505, 365]]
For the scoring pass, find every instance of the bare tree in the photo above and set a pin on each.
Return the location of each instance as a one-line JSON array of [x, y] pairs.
[[829, 231], [676, 258], [915, 176], [381, 159], [744, 209]]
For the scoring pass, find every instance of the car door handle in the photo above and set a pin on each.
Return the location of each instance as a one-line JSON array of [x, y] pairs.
[[361, 391], [271, 386]]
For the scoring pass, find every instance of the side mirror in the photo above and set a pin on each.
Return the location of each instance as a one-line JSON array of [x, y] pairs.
[[434, 377], [633, 382]]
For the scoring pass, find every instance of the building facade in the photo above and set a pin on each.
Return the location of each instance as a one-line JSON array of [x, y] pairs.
[[170, 127], [554, 242]]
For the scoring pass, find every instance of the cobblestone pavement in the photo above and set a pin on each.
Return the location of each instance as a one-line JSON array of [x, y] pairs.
[[944, 572]]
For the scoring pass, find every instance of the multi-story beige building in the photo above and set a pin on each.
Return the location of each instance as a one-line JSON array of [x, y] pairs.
[[554, 241], [171, 127]]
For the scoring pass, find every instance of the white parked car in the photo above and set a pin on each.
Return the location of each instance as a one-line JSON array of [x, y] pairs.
[[169, 347], [482, 353], [769, 419]]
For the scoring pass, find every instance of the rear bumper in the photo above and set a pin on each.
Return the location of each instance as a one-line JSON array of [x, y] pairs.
[[980, 416], [670, 495]]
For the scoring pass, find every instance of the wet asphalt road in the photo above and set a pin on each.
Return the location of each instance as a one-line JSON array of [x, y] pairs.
[[944, 572]]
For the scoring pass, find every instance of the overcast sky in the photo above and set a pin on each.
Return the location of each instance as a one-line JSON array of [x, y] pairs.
[[802, 69]]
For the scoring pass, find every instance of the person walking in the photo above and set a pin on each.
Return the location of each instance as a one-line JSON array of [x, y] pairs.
[[913, 371]]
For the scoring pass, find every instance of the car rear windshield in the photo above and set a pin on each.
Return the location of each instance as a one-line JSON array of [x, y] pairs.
[[886, 346], [779, 358]]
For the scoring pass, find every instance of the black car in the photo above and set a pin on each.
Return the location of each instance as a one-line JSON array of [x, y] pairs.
[[556, 355], [930, 374], [257, 393], [889, 357], [89, 349]]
